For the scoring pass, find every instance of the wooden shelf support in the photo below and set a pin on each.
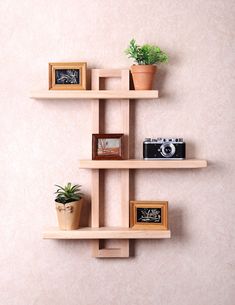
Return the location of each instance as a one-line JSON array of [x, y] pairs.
[[97, 181]]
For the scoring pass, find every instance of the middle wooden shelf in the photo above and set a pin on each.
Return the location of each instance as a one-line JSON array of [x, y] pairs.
[[142, 164]]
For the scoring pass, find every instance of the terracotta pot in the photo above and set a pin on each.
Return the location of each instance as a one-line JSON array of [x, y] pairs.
[[69, 214], [143, 76]]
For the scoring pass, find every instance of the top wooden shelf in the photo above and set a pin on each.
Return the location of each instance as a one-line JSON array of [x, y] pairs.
[[94, 94]]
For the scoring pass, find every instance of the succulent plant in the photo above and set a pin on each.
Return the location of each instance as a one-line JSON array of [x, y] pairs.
[[68, 193]]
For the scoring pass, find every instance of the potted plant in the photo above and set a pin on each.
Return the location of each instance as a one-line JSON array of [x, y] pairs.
[[68, 206], [145, 57]]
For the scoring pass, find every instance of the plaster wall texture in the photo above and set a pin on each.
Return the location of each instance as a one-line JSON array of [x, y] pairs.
[[42, 141]]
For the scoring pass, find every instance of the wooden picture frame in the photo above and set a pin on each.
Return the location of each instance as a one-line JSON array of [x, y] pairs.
[[149, 215], [102, 148], [67, 76]]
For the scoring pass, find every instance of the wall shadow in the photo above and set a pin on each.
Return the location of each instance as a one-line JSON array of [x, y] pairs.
[[85, 220], [176, 223]]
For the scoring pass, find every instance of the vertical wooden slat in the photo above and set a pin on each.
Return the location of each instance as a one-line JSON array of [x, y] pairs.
[[125, 180], [95, 210], [97, 175], [95, 190]]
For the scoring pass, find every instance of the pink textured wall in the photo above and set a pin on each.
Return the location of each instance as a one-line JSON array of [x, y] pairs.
[[42, 141]]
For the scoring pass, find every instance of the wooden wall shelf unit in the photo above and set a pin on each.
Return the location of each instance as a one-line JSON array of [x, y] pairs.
[[97, 232]]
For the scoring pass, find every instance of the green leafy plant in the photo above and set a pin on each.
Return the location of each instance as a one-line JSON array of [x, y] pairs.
[[68, 193], [146, 54]]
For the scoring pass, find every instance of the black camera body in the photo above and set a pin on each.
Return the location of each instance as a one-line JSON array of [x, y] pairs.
[[164, 148]]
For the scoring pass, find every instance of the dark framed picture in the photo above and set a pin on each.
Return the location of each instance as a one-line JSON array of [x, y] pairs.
[[107, 146], [149, 215], [67, 76]]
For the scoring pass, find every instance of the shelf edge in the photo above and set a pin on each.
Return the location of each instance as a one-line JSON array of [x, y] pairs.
[[105, 233], [143, 164], [94, 94]]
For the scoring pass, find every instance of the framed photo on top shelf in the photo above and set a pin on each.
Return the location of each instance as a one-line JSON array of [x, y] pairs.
[[107, 146], [149, 215], [67, 76]]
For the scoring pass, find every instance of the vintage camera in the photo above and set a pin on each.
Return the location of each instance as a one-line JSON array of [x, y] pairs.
[[164, 148]]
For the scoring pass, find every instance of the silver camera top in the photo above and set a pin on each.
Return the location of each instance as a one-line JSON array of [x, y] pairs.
[[163, 140]]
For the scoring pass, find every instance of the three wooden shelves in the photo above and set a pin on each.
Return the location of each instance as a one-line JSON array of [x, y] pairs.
[[96, 232]]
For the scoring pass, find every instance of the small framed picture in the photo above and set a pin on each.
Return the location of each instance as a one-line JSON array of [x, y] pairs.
[[149, 215], [107, 146], [67, 76]]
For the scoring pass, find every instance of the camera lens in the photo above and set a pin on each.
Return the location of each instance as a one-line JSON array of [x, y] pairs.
[[167, 150]]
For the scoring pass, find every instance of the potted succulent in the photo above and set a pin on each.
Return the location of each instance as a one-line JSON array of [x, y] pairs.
[[145, 57], [68, 206]]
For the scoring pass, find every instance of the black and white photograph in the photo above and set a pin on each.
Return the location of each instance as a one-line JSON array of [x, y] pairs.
[[149, 215], [67, 76]]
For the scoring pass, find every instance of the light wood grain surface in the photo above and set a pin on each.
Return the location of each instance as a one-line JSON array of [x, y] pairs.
[[94, 94], [142, 164], [105, 233]]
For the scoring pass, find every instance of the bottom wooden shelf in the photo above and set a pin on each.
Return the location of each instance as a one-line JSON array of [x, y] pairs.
[[105, 233]]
